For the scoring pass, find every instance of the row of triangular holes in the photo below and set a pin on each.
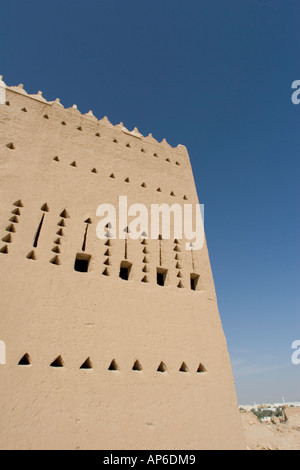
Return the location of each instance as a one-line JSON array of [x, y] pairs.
[[145, 260], [14, 219], [179, 275], [144, 279], [64, 215], [143, 151], [11, 228], [127, 180], [26, 361], [115, 141], [79, 128]]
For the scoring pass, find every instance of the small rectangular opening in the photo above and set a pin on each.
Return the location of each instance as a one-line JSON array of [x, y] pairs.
[[125, 269], [82, 262], [161, 276], [194, 281]]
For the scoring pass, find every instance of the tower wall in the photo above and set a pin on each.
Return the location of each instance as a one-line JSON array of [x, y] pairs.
[[49, 310]]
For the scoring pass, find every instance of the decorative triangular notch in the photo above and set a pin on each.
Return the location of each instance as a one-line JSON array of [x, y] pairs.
[[112, 176], [137, 366], [7, 238], [113, 366], [87, 364], [11, 228], [74, 164], [10, 146], [58, 362], [145, 279], [106, 272], [180, 285], [25, 360], [56, 159], [184, 367], [4, 250], [56, 261], [162, 367], [31, 255], [201, 369], [94, 170], [16, 212], [45, 207], [18, 203], [65, 214]]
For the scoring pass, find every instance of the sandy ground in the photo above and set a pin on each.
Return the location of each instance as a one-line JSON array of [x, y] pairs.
[[272, 436]]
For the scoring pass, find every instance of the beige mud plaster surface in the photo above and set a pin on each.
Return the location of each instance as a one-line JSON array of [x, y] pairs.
[[56, 167]]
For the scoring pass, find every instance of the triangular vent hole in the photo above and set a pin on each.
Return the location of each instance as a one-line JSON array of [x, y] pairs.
[[162, 367], [113, 366], [58, 362], [31, 255], [137, 366], [87, 364], [25, 360], [184, 367], [201, 369]]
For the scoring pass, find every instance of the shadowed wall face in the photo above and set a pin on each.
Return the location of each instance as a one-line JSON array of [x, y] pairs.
[[112, 344]]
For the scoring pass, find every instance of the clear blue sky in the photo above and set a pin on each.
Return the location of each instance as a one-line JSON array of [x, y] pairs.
[[216, 76]]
